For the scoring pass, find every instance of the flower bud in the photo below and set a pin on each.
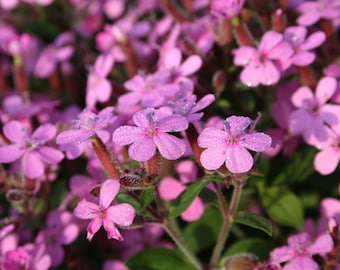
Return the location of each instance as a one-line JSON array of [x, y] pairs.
[[241, 262]]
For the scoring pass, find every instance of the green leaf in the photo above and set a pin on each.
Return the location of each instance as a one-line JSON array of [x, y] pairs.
[[157, 258], [146, 198], [254, 221], [259, 247], [203, 233], [282, 206], [182, 202]]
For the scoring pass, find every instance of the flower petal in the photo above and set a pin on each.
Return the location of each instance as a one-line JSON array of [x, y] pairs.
[[10, 153], [211, 137], [108, 191], [191, 65], [50, 155], [126, 135], [93, 227], [32, 165], [326, 161], [238, 160], [169, 146], [257, 142], [322, 244], [212, 158], [169, 188], [74, 136], [86, 210], [15, 132], [325, 89], [194, 211], [122, 214], [142, 150], [44, 133]]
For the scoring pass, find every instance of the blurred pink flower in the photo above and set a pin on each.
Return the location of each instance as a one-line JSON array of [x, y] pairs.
[[298, 254], [230, 145], [226, 8], [259, 64], [105, 214], [30, 149]]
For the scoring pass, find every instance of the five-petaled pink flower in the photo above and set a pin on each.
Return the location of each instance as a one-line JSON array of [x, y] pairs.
[[31, 149], [106, 214], [300, 250], [151, 133], [230, 145], [259, 64]]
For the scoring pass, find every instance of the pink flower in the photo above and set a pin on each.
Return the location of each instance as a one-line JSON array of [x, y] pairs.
[[106, 214], [296, 36], [313, 11], [259, 65], [59, 51], [151, 133], [230, 145], [31, 149], [313, 114], [88, 125], [300, 250], [226, 8], [98, 87]]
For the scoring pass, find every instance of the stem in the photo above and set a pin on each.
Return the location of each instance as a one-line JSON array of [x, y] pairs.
[[172, 230], [228, 215]]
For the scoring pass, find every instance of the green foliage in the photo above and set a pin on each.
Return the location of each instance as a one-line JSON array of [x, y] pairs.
[[146, 198], [282, 206], [203, 233], [158, 258], [254, 221]]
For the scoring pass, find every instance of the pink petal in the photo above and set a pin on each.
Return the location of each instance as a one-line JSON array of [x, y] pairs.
[[62, 54], [173, 58], [15, 132], [301, 262], [93, 227], [32, 165], [236, 125], [142, 150], [44, 133], [257, 142], [238, 160], [244, 55], [130, 99], [169, 146], [300, 121], [269, 73], [325, 89], [282, 254], [108, 191], [314, 40], [169, 188], [251, 75], [309, 18], [86, 210], [323, 244], [74, 136], [303, 58], [330, 208], [281, 51], [125, 135], [173, 123], [212, 158], [103, 90], [50, 155], [303, 98], [191, 65], [103, 65], [194, 211], [136, 83], [10, 153], [269, 40], [122, 214], [112, 231], [211, 137]]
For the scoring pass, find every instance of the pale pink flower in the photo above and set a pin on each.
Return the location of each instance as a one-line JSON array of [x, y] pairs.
[[30, 149], [298, 254], [105, 214], [226, 8], [151, 133], [230, 145], [313, 112], [259, 64]]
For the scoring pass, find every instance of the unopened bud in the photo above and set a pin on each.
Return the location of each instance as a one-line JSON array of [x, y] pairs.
[[241, 262], [219, 82], [279, 21], [16, 194], [131, 181]]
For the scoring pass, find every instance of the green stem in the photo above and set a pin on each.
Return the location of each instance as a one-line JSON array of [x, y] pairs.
[[228, 215], [172, 230]]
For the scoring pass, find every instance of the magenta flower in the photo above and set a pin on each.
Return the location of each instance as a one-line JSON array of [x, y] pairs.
[[28, 257], [296, 36], [59, 51], [230, 145], [30, 149], [259, 64], [313, 113], [226, 8], [151, 133], [61, 230], [298, 254], [313, 11], [98, 87], [88, 125], [106, 214]]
